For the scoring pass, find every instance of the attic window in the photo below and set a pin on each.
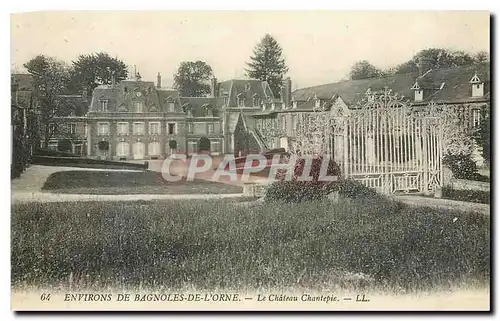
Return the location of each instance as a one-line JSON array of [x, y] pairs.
[[125, 89], [318, 102], [477, 86], [241, 101], [256, 101], [103, 105], [294, 104]]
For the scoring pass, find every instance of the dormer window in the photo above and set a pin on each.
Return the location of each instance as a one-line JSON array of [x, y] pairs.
[[273, 106], [317, 103], [294, 104], [263, 107], [241, 100], [103, 105], [256, 100], [419, 93], [125, 90], [138, 107], [170, 106], [477, 86]]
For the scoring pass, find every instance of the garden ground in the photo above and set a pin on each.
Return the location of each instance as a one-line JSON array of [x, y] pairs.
[[380, 246]]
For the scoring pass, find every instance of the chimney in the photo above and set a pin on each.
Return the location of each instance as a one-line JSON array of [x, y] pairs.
[[286, 92], [213, 87], [424, 64], [158, 81]]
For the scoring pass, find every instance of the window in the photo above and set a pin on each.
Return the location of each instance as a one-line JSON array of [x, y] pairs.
[[86, 129], [256, 102], [138, 128], [241, 102], [138, 106], [122, 128], [215, 146], [294, 122], [190, 128], [283, 122], [52, 128], [210, 128], [476, 117], [171, 107], [125, 89], [192, 147], [294, 104], [72, 128], [103, 128], [103, 105], [226, 100], [154, 128], [171, 128]]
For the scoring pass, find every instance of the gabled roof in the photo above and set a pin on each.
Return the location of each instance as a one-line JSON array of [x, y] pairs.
[[200, 105], [247, 89], [456, 86]]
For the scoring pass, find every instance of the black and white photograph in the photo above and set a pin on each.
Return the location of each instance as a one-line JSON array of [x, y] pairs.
[[250, 160]]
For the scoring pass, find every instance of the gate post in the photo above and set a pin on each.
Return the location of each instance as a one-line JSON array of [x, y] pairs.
[[425, 156], [345, 148]]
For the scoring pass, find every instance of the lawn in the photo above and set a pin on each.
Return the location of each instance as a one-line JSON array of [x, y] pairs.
[[219, 244], [146, 182]]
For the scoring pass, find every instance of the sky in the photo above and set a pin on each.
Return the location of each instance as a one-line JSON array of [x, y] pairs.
[[318, 46]]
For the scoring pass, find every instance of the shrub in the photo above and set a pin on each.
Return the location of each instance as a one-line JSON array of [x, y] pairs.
[[204, 144], [474, 196], [103, 145], [298, 191], [172, 144], [64, 145], [461, 165]]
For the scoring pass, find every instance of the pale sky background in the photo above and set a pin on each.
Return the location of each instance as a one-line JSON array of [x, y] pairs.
[[319, 46]]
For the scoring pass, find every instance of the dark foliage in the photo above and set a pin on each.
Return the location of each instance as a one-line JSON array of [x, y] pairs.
[[462, 166], [467, 195]]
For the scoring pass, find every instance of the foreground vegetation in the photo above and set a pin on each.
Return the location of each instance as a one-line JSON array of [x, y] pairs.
[[217, 244], [467, 195]]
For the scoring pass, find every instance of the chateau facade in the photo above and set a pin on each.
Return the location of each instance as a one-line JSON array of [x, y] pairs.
[[137, 119]]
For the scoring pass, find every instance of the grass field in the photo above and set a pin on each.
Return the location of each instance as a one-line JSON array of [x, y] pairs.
[[109, 183], [215, 244]]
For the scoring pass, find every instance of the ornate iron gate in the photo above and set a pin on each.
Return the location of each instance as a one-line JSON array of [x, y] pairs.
[[387, 144]]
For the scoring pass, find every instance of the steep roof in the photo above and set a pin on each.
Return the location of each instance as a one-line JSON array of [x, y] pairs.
[[456, 86], [24, 81], [245, 88], [200, 106]]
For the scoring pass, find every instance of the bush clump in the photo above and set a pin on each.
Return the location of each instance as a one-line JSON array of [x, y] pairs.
[[461, 165], [297, 190]]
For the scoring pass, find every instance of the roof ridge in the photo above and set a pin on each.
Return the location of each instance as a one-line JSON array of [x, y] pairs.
[[394, 75]]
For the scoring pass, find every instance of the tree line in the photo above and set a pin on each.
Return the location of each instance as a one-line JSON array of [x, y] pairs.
[[434, 57]]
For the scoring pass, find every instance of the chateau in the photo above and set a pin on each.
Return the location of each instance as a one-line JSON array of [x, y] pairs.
[[136, 119]]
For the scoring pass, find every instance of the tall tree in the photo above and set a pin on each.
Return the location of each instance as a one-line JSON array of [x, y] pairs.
[[50, 80], [92, 70], [192, 78], [364, 69], [267, 63]]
